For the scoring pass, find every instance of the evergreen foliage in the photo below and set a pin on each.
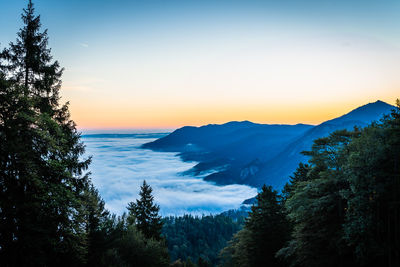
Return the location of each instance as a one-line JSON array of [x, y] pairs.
[[317, 208], [41, 171], [50, 214], [345, 210], [300, 175], [144, 212], [131, 248], [266, 230], [372, 225], [343, 206], [199, 238], [120, 243]]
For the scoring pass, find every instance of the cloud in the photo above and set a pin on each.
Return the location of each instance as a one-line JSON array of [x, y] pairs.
[[85, 45], [120, 166]]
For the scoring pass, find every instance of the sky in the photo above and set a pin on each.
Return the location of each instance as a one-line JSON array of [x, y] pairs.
[[169, 63]]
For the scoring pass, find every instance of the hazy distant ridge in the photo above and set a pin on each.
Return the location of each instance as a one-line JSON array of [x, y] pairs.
[[254, 154]]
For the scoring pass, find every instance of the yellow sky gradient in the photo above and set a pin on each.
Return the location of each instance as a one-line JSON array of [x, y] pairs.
[[195, 71], [93, 116], [166, 64], [275, 83]]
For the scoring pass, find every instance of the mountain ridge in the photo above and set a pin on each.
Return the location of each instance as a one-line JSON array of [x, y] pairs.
[[255, 154]]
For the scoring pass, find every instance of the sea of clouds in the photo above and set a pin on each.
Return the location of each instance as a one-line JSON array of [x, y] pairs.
[[119, 167]]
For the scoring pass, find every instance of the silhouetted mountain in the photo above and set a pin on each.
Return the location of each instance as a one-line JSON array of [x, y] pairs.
[[254, 154], [276, 171], [228, 147]]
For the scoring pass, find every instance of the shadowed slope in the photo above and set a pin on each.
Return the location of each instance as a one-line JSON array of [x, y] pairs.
[[254, 154]]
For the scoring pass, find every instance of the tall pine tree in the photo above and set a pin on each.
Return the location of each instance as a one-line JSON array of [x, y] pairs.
[[145, 213], [265, 232], [316, 207], [41, 171]]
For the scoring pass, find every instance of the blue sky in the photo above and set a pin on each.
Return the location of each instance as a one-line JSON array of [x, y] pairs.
[[172, 63]]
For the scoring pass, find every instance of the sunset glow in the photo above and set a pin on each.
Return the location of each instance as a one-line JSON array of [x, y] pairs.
[[167, 64]]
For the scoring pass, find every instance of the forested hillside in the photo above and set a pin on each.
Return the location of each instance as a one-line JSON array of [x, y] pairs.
[[342, 208], [200, 238]]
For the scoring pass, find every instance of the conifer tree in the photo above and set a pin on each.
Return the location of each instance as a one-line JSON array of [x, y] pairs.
[[99, 226], [372, 225], [41, 171], [316, 207], [267, 227], [300, 175], [265, 232], [145, 212]]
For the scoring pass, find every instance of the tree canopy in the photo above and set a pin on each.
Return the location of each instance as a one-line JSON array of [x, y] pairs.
[[144, 213], [42, 171], [265, 232], [342, 207], [50, 213]]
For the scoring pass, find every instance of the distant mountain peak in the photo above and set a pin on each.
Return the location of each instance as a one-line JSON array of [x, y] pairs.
[[376, 104]]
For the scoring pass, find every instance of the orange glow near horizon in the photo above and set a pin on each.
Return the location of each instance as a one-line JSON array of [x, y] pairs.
[[166, 64], [126, 118], [254, 79]]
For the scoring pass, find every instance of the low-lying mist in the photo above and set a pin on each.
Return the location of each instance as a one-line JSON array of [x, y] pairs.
[[119, 167]]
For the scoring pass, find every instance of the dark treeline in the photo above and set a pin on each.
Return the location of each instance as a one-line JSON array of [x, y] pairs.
[[200, 238], [133, 239], [340, 209]]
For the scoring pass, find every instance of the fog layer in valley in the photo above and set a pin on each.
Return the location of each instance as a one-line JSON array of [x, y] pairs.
[[119, 167]]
